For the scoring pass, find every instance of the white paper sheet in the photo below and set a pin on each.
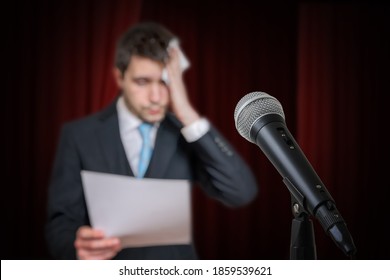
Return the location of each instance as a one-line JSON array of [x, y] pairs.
[[141, 212]]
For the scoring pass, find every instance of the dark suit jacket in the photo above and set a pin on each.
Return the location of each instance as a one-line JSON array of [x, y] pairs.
[[94, 143]]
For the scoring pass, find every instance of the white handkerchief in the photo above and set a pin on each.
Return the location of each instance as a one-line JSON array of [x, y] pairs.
[[184, 63]]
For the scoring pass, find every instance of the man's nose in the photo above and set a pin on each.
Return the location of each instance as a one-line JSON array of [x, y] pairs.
[[155, 93]]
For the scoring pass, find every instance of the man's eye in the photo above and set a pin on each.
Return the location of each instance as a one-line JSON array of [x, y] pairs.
[[141, 82]]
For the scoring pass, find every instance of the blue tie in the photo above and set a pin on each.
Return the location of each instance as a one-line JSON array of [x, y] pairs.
[[146, 150]]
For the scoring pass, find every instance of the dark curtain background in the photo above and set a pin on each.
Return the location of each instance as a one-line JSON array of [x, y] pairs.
[[326, 62]]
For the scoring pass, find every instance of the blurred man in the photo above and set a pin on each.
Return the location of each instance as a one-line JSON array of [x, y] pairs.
[[184, 145]]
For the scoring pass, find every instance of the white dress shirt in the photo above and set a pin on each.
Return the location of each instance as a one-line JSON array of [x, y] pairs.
[[131, 137]]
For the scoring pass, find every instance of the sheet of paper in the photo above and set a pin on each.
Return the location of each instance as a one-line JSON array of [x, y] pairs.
[[142, 212]]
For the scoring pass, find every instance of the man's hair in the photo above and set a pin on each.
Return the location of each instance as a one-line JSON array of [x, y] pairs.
[[147, 39]]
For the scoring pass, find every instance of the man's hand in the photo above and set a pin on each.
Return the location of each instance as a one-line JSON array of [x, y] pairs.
[[91, 244], [180, 103]]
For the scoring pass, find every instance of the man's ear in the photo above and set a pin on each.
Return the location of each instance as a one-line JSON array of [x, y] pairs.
[[118, 76]]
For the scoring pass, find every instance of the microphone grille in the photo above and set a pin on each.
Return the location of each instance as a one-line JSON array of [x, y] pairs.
[[253, 106]]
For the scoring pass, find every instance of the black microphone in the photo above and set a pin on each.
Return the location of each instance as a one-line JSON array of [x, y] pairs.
[[260, 119]]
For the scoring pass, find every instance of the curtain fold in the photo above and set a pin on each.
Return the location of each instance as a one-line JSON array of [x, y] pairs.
[[58, 69], [342, 88]]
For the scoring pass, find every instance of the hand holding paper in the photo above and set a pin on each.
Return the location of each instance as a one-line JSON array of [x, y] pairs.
[[92, 244]]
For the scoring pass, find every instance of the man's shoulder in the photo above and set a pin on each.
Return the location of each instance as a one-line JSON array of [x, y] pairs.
[[92, 120]]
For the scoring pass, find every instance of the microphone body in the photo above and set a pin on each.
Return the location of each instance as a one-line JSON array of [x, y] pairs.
[[276, 142], [260, 119]]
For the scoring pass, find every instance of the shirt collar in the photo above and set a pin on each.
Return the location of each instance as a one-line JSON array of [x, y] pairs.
[[127, 120]]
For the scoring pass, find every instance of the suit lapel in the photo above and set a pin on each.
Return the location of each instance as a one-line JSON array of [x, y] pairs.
[[166, 146], [111, 143]]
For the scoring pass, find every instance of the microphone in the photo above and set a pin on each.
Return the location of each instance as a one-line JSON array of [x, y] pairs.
[[259, 118]]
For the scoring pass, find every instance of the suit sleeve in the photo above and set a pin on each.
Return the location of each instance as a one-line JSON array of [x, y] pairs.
[[222, 172], [66, 206]]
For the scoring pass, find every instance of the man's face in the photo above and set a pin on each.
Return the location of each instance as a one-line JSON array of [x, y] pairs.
[[145, 93]]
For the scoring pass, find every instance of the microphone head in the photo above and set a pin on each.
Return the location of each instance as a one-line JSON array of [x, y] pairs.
[[252, 107]]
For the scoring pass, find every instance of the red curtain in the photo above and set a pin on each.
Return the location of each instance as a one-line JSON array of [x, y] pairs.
[[59, 68], [342, 93], [326, 63]]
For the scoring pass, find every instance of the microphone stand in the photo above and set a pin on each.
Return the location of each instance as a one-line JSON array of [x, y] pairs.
[[302, 245]]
